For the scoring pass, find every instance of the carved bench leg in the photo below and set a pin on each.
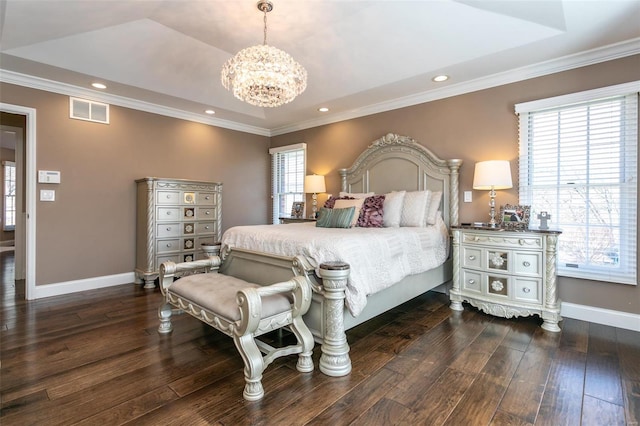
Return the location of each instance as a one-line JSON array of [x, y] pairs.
[[164, 314], [253, 367], [305, 340], [334, 360]]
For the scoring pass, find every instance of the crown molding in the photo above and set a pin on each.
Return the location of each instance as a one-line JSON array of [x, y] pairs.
[[75, 91], [590, 57], [582, 59]]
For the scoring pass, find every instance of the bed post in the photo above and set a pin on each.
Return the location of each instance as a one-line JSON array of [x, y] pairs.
[[454, 167], [334, 360], [343, 180]]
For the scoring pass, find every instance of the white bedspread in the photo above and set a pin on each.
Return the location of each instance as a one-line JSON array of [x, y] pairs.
[[379, 257]]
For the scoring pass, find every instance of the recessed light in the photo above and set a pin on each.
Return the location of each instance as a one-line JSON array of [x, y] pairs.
[[323, 109], [440, 78], [99, 85], [209, 111]]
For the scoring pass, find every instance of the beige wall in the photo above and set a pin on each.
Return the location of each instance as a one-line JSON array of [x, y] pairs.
[[89, 231], [474, 127]]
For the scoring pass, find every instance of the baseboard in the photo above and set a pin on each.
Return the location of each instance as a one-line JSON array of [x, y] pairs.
[[609, 317], [58, 289]]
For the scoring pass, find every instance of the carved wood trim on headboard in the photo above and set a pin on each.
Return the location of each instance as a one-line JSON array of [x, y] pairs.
[[408, 165]]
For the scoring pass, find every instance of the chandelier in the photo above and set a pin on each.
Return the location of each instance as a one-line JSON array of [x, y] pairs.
[[263, 75]]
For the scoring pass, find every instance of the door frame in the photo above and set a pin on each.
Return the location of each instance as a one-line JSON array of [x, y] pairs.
[[30, 193]]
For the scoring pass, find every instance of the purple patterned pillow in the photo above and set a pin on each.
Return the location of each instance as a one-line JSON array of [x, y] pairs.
[[371, 213], [331, 201]]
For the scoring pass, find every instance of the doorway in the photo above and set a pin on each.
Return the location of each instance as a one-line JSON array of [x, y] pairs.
[[17, 127]]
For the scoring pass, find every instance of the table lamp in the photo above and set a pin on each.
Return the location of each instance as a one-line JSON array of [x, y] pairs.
[[492, 175], [314, 184]]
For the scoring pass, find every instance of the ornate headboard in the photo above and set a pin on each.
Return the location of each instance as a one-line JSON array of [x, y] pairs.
[[395, 162]]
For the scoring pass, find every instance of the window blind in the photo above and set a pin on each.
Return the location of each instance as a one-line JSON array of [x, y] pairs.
[[288, 168], [578, 162]]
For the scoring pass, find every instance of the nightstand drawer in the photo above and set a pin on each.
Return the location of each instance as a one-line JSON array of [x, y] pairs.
[[528, 264], [471, 281], [471, 257], [527, 290], [503, 239]]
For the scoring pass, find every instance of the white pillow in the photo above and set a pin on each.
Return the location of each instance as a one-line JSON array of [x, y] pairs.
[[392, 209], [414, 208], [434, 206], [356, 194], [357, 203]]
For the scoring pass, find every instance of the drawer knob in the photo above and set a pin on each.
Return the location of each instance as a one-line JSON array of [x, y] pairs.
[[526, 264], [497, 285], [168, 213], [206, 227], [207, 198], [168, 228], [168, 197], [472, 257], [472, 281], [168, 244], [526, 290], [207, 212]]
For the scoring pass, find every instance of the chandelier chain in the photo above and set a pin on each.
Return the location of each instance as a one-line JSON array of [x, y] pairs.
[[265, 26]]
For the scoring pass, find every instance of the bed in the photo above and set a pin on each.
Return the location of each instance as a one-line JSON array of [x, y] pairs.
[[391, 163]]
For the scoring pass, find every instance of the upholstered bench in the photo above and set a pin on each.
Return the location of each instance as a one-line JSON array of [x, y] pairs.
[[242, 310]]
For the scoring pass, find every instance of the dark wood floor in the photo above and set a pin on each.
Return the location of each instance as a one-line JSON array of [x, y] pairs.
[[95, 358]]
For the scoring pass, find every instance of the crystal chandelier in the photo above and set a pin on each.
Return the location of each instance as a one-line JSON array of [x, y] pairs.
[[263, 75]]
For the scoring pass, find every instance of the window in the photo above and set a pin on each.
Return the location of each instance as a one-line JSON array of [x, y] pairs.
[[578, 162], [288, 167], [9, 191]]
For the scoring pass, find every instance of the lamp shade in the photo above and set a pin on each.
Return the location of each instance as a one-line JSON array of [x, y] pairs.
[[493, 174], [314, 184]]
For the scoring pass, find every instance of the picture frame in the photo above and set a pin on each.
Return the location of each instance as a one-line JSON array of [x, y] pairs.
[[297, 209], [514, 217]]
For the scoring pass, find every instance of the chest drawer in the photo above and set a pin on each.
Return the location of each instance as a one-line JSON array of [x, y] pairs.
[[168, 213], [206, 227], [164, 246], [165, 230], [168, 197], [206, 198], [206, 213]]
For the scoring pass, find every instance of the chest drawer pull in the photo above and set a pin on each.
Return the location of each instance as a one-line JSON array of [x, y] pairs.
[[526, 264], [472, 281], [526, 290], [207, 198], [168, 228], [206, 227], [168, 245], [207, 212], [472, 257]]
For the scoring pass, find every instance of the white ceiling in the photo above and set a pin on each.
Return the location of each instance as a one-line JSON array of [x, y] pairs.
[[361, 56]]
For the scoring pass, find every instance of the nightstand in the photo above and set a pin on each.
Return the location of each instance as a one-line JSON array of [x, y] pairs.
[[286, 219], [506, 273]]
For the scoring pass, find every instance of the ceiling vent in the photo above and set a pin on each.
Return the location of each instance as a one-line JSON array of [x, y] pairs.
[[81, 109]]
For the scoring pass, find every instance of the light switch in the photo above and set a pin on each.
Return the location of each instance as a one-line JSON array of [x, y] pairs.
[[47, 195], [48, 176], [467, 196]]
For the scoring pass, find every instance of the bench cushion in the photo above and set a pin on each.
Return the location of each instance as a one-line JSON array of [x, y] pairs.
[[217, 293]]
